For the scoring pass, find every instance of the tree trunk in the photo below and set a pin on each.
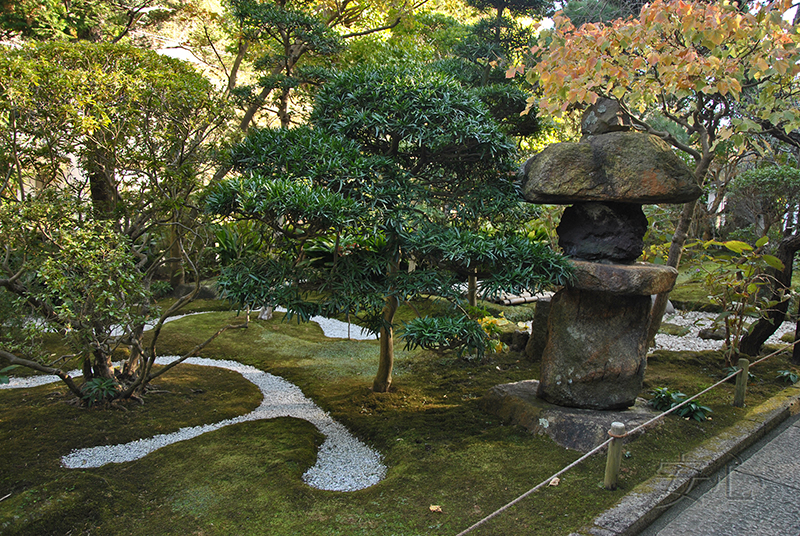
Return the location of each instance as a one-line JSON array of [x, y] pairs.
[[130, 369], [751, 342], [673, 259], [101, 367], [384, 377], [102, 185], [472, 289], [103, 195], [283, 109], [796, 351], [177, 275]]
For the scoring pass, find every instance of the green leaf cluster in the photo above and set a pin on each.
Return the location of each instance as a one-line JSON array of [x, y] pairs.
[[665, 398], [446, 332], [788, 376], [99, 390], [735, 275]]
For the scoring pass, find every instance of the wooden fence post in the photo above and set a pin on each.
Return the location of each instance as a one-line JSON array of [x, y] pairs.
[[614, 455], [741, 382]]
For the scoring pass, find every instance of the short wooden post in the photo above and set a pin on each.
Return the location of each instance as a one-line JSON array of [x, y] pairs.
[[741, 382], [614, 455]]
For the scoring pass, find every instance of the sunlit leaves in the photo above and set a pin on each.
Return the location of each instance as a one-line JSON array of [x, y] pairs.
[[675, 49], [422, 119]]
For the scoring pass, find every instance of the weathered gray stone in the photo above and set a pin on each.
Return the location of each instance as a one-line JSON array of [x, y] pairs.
[[578, 429], [638, 279], [603, 231], [717, 334], [605, 116], [595, 356], [630, 167], [538, 338], [519, 339]]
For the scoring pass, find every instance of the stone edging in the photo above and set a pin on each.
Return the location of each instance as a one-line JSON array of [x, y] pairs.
[[651, 498]]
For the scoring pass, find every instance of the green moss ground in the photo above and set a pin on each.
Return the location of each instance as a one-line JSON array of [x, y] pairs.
[[440, 446]]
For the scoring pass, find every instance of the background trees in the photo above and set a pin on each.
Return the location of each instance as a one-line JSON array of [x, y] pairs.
[[141, 131], [267, 51], [89, 20], [103, 149], [396, 166]]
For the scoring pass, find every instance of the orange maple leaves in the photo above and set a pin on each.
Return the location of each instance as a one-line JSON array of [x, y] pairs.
[[675, 49]]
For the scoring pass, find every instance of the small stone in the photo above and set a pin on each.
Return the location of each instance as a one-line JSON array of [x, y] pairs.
[[712, 334], [674, 329], [604, 116], [519, 339]]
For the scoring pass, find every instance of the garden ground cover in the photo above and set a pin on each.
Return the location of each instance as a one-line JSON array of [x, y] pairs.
[[440, 447]]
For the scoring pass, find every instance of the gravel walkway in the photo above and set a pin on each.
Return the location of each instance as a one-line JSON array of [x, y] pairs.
[[343, 462], [697, 321]]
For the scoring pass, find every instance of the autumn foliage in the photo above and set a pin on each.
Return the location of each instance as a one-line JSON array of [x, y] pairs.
[[674, 51]]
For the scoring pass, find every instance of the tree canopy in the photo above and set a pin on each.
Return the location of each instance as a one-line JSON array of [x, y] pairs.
[[89, 20], [710, 70], [393, 169], [104, 147]]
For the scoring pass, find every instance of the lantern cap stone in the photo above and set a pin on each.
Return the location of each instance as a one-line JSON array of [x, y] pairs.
[[624, 166]]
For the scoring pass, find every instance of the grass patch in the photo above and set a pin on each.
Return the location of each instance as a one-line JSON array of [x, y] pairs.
[[440, 446]]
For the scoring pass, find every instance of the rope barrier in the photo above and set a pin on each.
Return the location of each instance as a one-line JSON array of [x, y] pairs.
[[776, 352], [535, 488], [607, 441]]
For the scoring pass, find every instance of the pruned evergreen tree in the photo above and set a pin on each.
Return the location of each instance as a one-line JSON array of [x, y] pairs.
[[392, 172]]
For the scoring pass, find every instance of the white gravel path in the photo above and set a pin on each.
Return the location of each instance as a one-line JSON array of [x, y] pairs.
[[336, 329], [344, 463], [697, 321]]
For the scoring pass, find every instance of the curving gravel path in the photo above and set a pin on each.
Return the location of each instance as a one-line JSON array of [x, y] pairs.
[[344, 463]]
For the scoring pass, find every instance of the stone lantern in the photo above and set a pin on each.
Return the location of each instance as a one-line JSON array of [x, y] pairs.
[[595, 353]]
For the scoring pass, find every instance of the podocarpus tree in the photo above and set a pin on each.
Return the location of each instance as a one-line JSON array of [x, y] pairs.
[[390, 173], [714, 72], [494, 39], [103, 149]]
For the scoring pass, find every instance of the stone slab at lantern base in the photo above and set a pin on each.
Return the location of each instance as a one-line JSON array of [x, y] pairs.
[[641, 278], [595, 355], [577, 429]]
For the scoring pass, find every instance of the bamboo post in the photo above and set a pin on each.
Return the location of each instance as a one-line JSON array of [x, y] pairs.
[[741, 382], [614, 459]]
